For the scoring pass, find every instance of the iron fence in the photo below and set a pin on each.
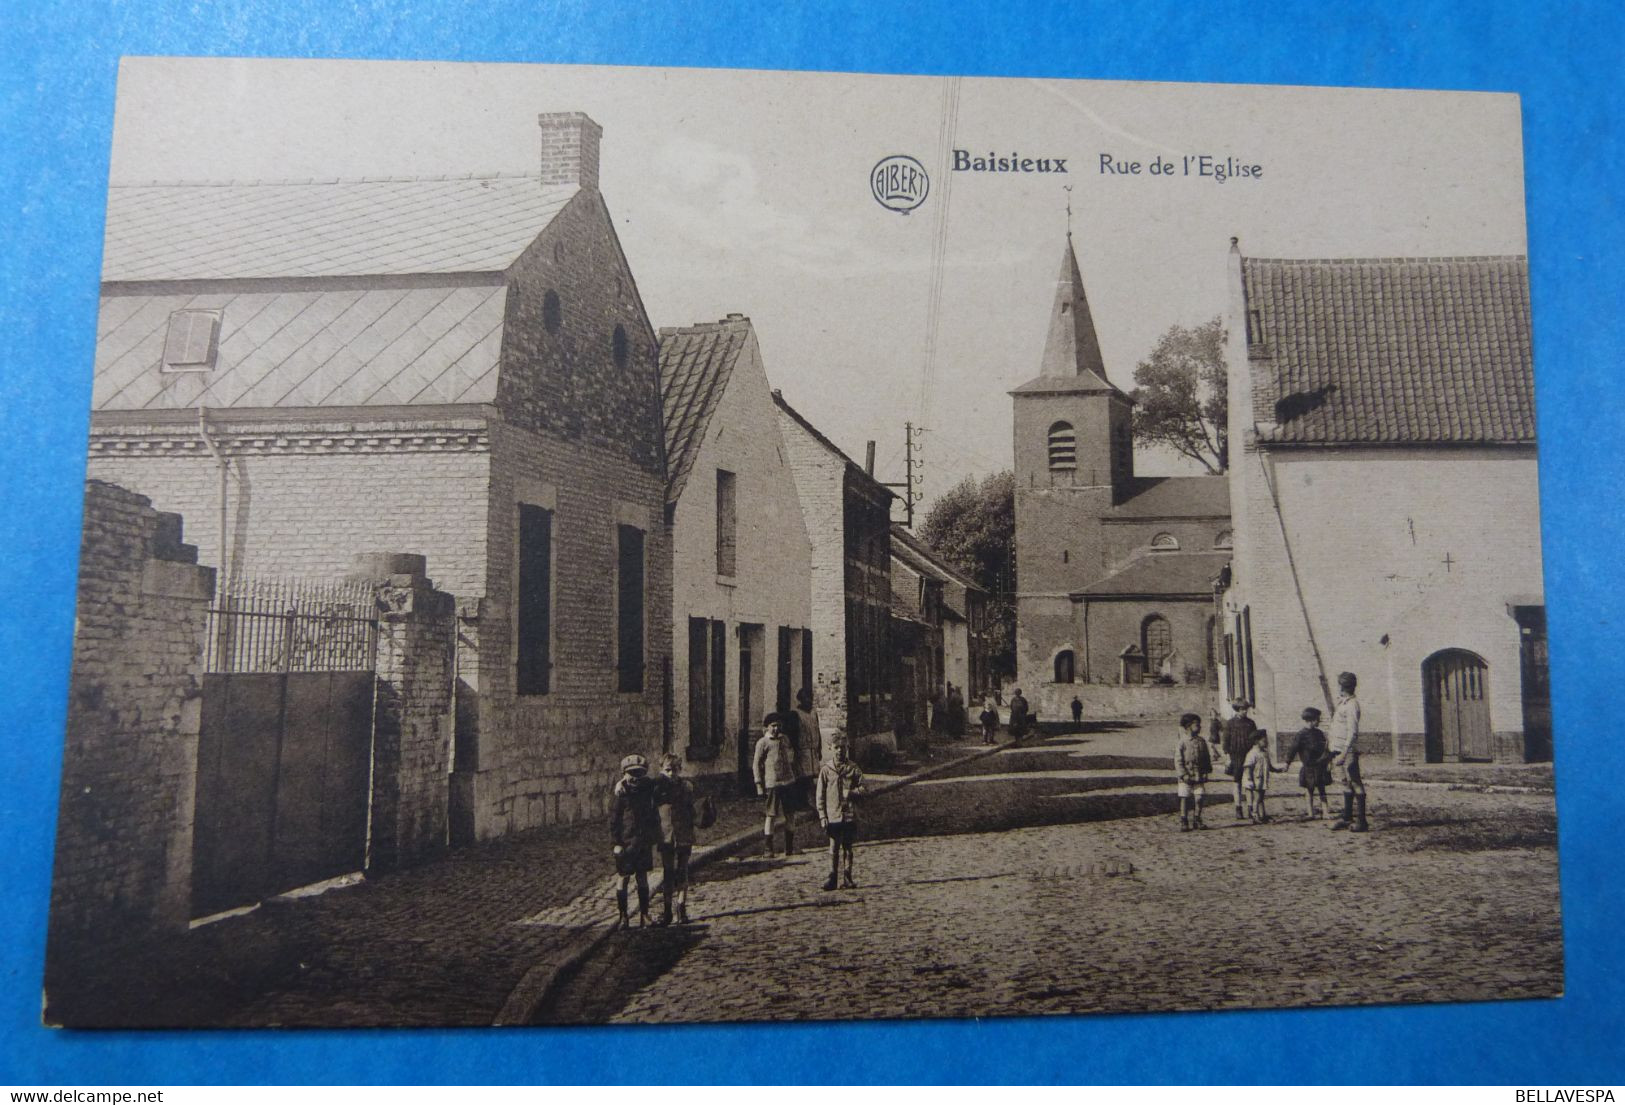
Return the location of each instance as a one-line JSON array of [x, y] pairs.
[[286, 625]]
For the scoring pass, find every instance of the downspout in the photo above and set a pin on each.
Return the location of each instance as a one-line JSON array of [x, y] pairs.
[[225, 467], [1268, 470]]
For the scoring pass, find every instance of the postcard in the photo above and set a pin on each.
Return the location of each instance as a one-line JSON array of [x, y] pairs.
[[575, 545]]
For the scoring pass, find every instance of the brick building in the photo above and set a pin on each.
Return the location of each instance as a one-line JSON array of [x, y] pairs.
[[939, 631], [1386, 512], [848, 521], [1116, 571], [459, 368], [742, 642]]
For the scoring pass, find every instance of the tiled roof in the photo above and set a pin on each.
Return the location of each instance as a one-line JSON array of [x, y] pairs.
[[912, 548], [385, 226], [350, 347], [817, 435], [696, 363], [1391, 350], [1162, 574], [1175, 497]]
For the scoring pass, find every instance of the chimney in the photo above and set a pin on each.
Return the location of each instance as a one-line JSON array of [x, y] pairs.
[[569, 149], [868, 458]]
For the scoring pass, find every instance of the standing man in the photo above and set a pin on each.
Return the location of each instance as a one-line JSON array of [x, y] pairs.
[[1238, 741], [1343, 743], [1077, 711], [1018, 715]]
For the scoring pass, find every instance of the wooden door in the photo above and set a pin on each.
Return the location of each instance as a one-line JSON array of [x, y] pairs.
[[1458, 706]]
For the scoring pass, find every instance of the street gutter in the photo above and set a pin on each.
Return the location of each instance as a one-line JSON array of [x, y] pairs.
[[540, 981]]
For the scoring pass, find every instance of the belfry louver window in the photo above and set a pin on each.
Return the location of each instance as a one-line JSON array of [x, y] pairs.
[[1063, 447]]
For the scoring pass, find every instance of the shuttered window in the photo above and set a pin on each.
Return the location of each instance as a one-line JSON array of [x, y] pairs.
[[629, 608], [535, 607]]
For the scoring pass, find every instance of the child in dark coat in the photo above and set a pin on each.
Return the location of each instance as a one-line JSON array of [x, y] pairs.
[[674, 802], [1309, 749], [634, 826]]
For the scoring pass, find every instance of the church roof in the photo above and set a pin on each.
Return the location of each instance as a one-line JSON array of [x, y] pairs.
[[1072, 363], [371, 227], [1161, 574], [1175, 497], [696, 363], [1430, 350]]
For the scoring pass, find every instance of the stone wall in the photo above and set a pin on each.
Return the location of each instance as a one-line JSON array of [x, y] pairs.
[[124, 828]]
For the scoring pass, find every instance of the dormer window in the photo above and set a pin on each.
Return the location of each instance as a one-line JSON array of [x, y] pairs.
[[1063, 447], [1165, 542], [193, 341], [1223, 540]]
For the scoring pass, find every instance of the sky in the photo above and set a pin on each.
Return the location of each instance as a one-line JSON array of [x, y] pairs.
[[741, 191]]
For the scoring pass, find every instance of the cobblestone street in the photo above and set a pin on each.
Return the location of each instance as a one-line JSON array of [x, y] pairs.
[[1053, 878]]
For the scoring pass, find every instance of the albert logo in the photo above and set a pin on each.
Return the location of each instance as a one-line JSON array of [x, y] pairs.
[[899, 183]]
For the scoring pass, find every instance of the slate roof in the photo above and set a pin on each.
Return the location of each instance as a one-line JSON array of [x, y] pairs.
[[818, 436], [696, 363], [1161, 574], [1175, 497], [329, 347], [383, 226], [1072, 363], [1391, 350]]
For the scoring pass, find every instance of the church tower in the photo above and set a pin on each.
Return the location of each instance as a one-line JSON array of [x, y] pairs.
[[1074, 461]]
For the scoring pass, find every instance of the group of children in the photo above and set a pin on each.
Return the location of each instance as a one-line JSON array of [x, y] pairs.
[[1249, 764], [659, 813]]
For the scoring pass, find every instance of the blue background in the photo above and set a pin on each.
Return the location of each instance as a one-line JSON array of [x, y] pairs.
[[58, 64]]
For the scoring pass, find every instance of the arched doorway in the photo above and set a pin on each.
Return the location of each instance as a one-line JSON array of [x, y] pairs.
[[1065, 666], [1156, 642], [1455, 686]]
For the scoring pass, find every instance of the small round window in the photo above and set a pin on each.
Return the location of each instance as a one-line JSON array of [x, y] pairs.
[[618, 346], [552, 313]]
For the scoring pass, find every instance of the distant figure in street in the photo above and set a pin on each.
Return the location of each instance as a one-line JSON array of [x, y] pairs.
[[956, 712], [674, 802], [1309, 748], [1343, 743], [1238, 741], [990, 721], [1192, 764], [1256, 777], [634, 827], [1077, 710], [839, 783], [809, 745], [775, 766], [1018, 715]]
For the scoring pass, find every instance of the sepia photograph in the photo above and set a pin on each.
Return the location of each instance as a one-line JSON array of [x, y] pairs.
[[571, 545]]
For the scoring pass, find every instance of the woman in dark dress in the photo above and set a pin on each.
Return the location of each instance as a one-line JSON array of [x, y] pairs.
[[1310, 748]]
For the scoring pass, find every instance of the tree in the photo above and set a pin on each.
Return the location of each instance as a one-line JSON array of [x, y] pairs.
[[1181, 398], [973, 526]]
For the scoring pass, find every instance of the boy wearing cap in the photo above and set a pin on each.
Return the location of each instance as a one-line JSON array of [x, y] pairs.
[[775, 769], [634, 826], [839, 783], [1191, 766], [1343, 742], [1238, 741]]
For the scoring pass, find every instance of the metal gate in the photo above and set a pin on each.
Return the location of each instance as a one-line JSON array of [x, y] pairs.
[[285, 746], [1458, 706]]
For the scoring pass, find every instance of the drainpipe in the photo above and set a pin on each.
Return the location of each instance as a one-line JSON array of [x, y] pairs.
[[225, 466]]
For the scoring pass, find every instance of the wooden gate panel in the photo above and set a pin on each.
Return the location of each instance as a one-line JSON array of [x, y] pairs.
[[236, 796]]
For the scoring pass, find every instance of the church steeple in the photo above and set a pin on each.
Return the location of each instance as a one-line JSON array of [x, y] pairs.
[[1072, 349]]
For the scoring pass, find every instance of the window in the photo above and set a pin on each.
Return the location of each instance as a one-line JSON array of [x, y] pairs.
[[707, 685], [787, 642], [727, 524], [552, 312], [1065, 666], [192, 342], [534, 628], [1157, 643], [1165, 542], [618, 347], [629, 608], [806, 661], [1063, 447], [1224, 540]]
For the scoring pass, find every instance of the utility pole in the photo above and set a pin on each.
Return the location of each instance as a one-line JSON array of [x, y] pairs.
[[913, 472]]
